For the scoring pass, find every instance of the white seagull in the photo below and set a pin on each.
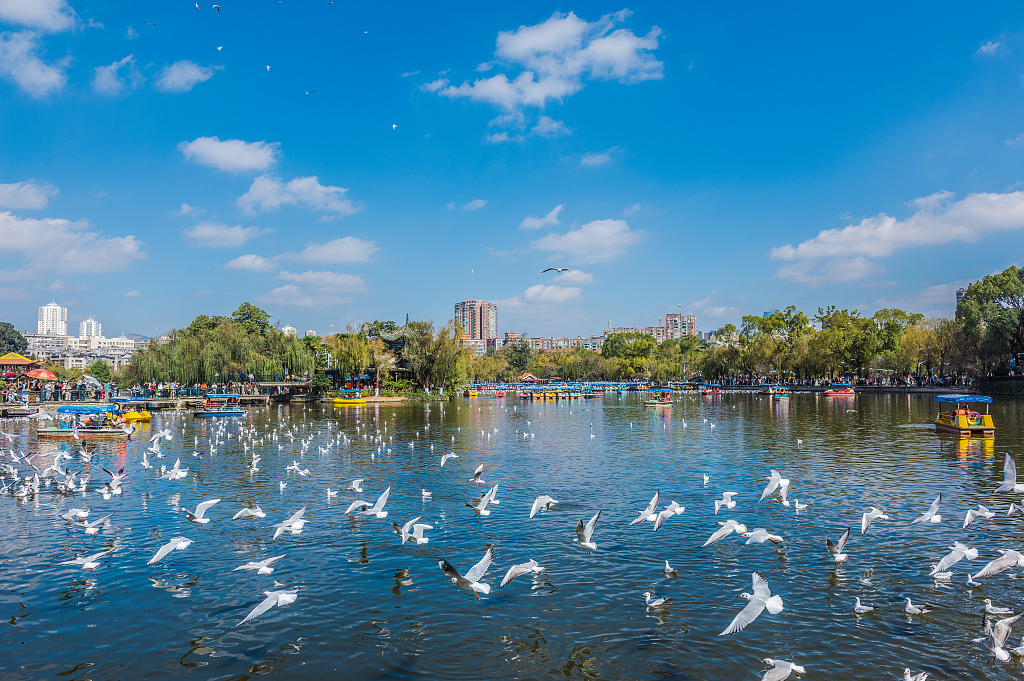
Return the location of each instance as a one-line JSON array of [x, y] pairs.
[[1007, 560], [200, 513], [87, 562], [356, 485], [972, 515], [94, 526], [759, 535], [261, 567], [996, 635], [727, 528], [957, 552], [780, 670], [912, 609], [653, 602], [250, 513], [542, 503], [377, 509], [995, 609], [585, 532], [476, 474], [294, 524], [472, 578], [873, 514], [726, 501], [757, 603], [445, 457], [837, 549], [861, 609], [647, 513], [931, 515], [773, 482], [521, 569], [1009, 483], [178, 543], [272, 598]]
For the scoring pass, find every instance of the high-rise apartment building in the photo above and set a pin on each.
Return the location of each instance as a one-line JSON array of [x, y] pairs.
[[53, 320], [90, 327], [478, 319], [678, 325], [960, 293]]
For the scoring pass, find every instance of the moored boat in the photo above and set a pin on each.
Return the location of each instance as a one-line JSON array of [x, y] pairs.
[[349, 398], [961, 420], [711, 389], [663, 398], [98, 423], [223, 405], [839, 390], [134, 408], [780, 392]]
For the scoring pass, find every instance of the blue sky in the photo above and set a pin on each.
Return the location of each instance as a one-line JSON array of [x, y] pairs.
[[721, 160]]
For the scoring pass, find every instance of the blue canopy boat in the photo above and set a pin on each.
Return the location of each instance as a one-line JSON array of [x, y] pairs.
[[220, 405], [95, 424], [961, 420]]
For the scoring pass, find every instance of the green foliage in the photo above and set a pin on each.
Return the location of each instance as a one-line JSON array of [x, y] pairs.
[[518, 354], [11, 339], [252, 319], [992, 311], [633, 350], [436, 360], [319, 383], [378, 328], [100, 371]]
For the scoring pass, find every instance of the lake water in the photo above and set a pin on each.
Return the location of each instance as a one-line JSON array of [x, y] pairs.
[[368, 607]]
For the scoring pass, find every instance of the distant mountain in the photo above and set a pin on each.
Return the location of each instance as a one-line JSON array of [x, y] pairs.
[[137, 337]]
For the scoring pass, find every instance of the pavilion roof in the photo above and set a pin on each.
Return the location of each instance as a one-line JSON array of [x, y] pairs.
[[13, 359]]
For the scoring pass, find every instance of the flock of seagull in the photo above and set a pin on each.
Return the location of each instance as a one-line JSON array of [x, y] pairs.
[[25, 476]]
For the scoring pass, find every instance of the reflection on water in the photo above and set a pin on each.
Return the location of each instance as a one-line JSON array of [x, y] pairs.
[[369, 607]]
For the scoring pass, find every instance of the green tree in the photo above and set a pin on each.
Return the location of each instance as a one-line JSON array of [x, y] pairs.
[[251, 319], [992, 311], [518, 354], [378, 328], [11, 339], [100, 371]]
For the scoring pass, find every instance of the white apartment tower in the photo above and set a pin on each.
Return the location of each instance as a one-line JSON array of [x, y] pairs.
[[89, 328], [53, 320]]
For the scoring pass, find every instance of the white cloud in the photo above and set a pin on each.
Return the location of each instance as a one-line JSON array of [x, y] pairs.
[[131, 294], [450, 205], [30, 195], [632, 209], [269, 193], [107, 80], [988, 48], [500, 137], [64, 246], [475, 204], [291, 295], [552, 295], [938, 220], [597, 241], [215, 234], [409, 73], [19, 62], [345, 249], [534, 222], [331, 281], [595, 158], [182, 76], [188, 210], [131, 34], [706, 309], [509, 119], [930, 301], [252, 263], [1016, 140], [574, 277], [833, 270], [46, 15], [549, 127], [721, 312], [231, 155], [555, 56]]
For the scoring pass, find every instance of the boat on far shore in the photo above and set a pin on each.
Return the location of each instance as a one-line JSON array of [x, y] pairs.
[[220, 405], [839, 390]]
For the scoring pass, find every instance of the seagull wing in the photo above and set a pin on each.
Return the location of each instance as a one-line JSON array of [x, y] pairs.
[[296, 516], [773, 483], [841, 544], [517, 570], [1001, 630], [745, 616], [934, 508], [449, 569], [203, 507], [269, 602], [779, 672], [164, 550], [244, 513], [996, 566], [719, 534], [653, 504], [477, 571], [1009, 474], [361, 505], [405, 528], [381, 500], [588, 531], [537, 504]]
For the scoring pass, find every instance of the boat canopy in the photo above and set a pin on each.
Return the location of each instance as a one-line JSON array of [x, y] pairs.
[[661, 390], [713, 385], [222, 396], [350, 391], [841, 385], [963, 399], [125, 400], [84, 409]]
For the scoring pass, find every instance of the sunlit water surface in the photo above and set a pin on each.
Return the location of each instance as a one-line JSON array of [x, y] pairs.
[[370, 608]]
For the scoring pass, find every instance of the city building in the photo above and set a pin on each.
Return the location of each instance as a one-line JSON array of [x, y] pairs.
[[478, 319], [477, 346], [310, 332], [290, 331], [53, 320], [90, 327], [678, 325], [960, 293]]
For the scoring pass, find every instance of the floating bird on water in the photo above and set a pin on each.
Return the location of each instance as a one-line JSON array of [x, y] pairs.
[[798, 506], [261, 567], [873, 514], [472, 578], [912, 609], [521, 569], [910, 676], [653, 602], [669, 570], [861, 609], [995, 609], [757, 603], [272, 598]]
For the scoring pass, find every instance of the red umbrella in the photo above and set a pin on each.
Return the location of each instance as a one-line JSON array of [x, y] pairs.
[[43, 374]]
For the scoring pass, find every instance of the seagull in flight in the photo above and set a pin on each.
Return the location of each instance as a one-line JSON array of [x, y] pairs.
[[996, 635], [272, 598], [757, 603], [726, 501], [445, 457], [1009, 483], [780, 670], [250, 513], [268, 67], [774, 480], [585, 532], [557, 269], [309, 92], [217, 7], [648, 513], [472, 578], [931, 515], [220, 48], [1007, 560], [394, 126], [982, 512], [200, 513], [147, 23], [477, 473], [837, 549], [727, 528], [542, 503], [521, 569], [873, 514], [355, 485], [957, 552], [294, 524], [87, 562], [178, 543], [261, 567]]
